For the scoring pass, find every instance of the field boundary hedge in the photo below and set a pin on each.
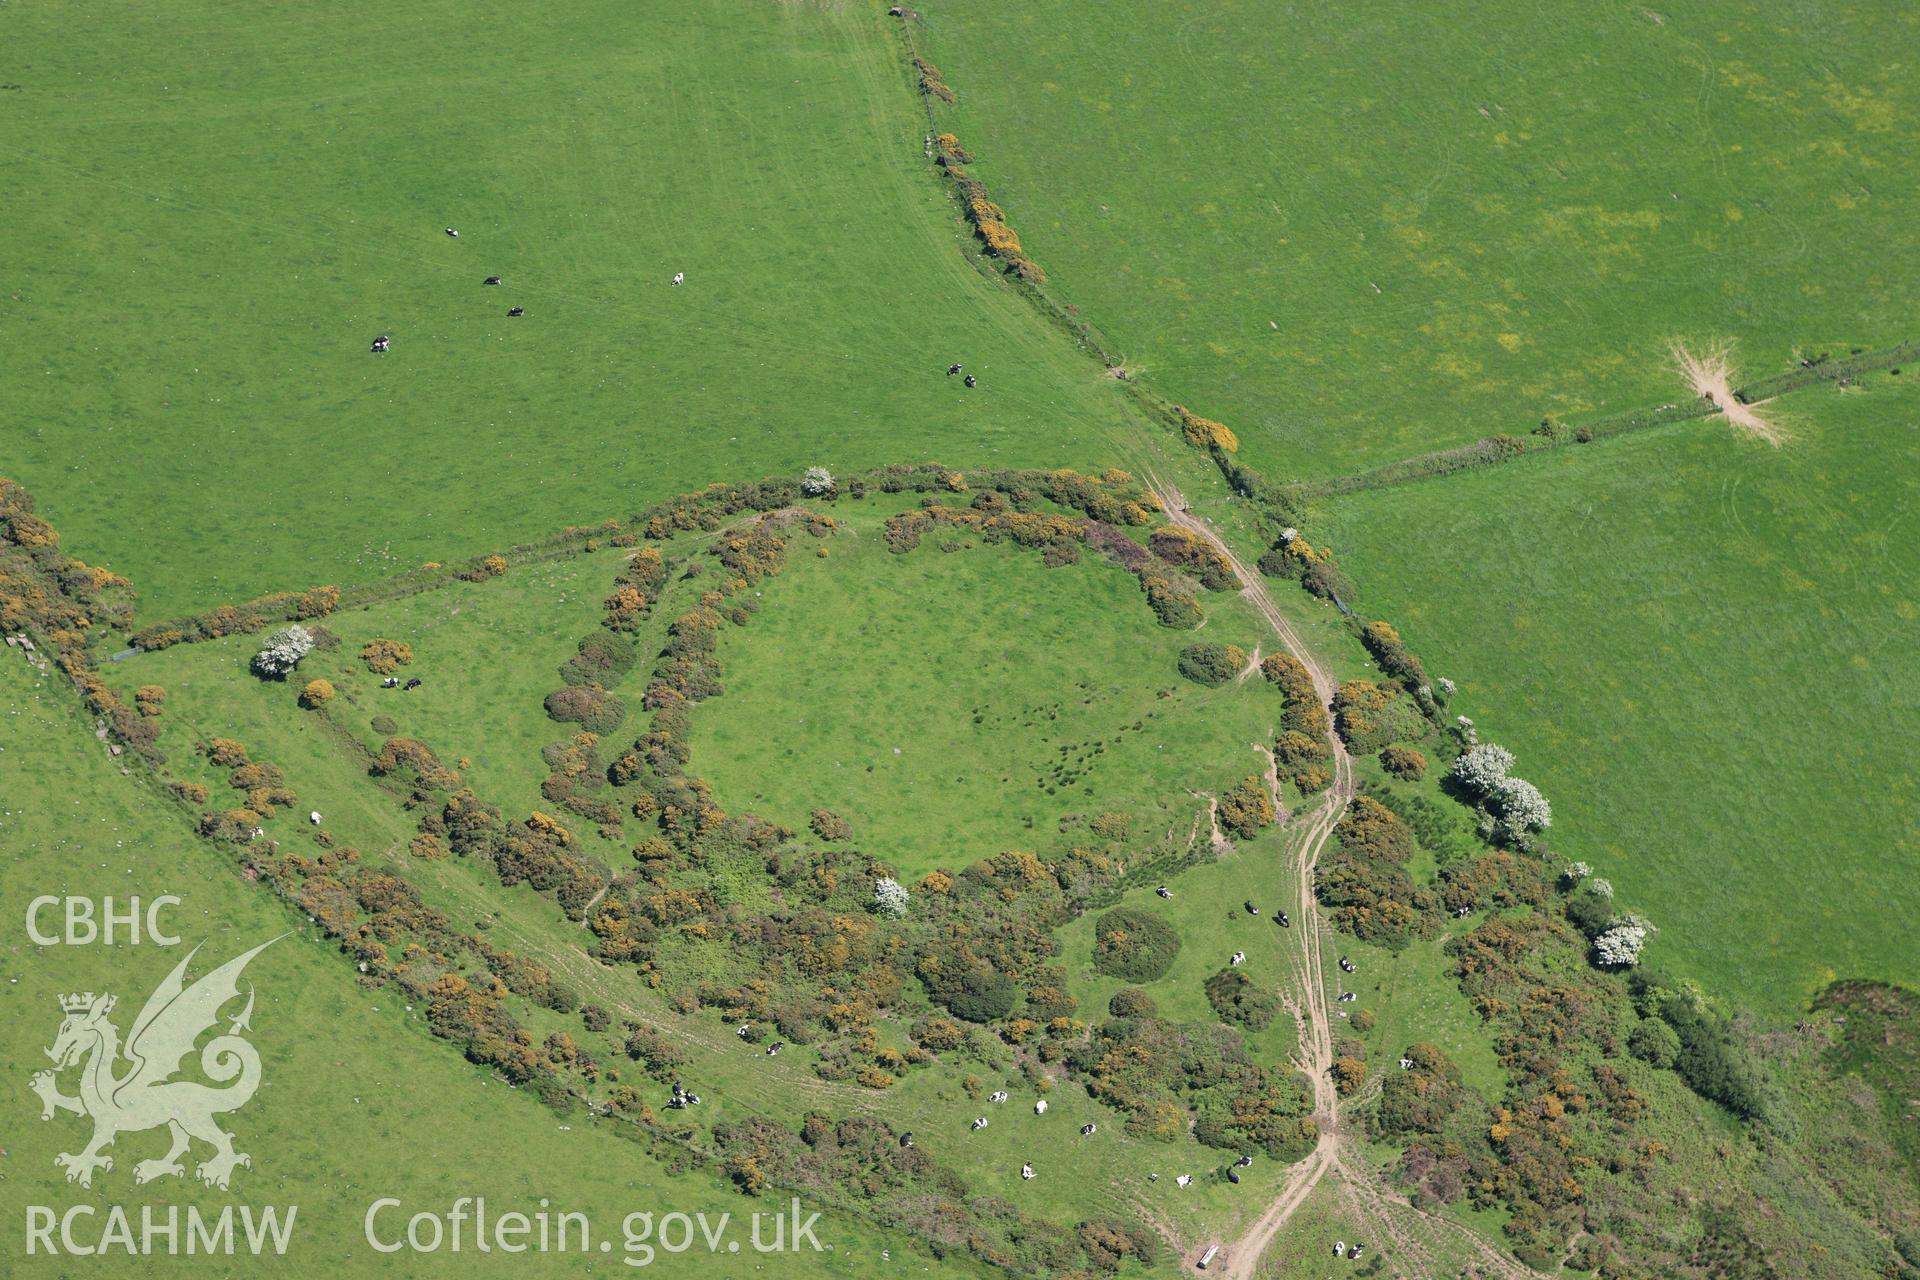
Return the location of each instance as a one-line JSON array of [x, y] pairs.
[[1064, 315], [1496, 449], [1821, 369]]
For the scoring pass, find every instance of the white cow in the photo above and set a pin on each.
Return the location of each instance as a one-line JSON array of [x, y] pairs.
[[1184, 1180], [679, 277], [1040, 1107]]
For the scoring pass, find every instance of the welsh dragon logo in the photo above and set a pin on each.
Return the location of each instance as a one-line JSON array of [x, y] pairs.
[[144, 1095]]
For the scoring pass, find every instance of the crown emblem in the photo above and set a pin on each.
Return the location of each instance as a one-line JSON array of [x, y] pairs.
[[79, 1002]]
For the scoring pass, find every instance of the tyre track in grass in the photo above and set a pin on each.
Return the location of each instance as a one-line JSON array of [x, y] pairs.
[[1360, 1186]]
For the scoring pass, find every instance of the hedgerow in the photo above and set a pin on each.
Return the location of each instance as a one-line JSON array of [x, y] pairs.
[[1371, 715], [1363, 879]]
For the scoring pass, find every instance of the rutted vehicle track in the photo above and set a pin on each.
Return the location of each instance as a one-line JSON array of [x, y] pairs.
[[1307, 999]]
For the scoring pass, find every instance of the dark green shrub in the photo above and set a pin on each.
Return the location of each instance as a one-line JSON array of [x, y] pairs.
[[1709, 1060], [1131, 945], [1237, 998], [1247, 809], [1371, 715], [1363, 879], [602, 659], [1327, 580], [1391, 652], [1403, 762], [984, 995], [1210, 662], [1171, 600], [1424, 1097], [1656, 1042], [1275, 563], [588, 705], [1590, 911]]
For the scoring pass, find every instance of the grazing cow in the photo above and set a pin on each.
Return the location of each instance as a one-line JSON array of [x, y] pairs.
[[979, 1123], [491, 280], [1244, 1162], [679, 277], [314, 817], [516, 311], [1233, 1176], [1286, 922], [453, 233], [380, 343], [968, 379], [1026, 1172], [1339, 1248], [414, 683], [1184, 1180], [1251, 909], [774, 1048], [1348, 997], [1239, 958], [1406, 1064], [906, 1139], [1164, 892], [1346, 965], [1088, 1130], [1353, 1254], [1040, 1107], [391, 682], [741, 1031], [998, 1095]]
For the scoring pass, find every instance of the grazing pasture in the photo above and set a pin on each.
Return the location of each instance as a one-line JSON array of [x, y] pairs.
[[357, 1101], [953, 704], [1357, 234], [1013, 639], [1701, 648], [877, 809], [216, 210]]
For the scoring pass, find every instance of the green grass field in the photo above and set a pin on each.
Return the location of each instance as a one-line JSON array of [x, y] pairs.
[[1700, 648], [216, 214], [487, 653], [954, 704], [357, 1101], [1356, 235]]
